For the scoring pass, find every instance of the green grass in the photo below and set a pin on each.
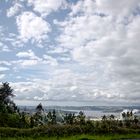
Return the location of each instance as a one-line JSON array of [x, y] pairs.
[[79, 137]]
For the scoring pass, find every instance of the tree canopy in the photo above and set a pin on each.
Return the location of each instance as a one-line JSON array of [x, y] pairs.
[[6, 104]]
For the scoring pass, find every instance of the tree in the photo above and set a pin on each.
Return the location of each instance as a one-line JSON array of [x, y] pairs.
[[124, 115], [53, 117], [131, 113], [69, 118], [128, 115], [104, 118], [49, 116], [5, 91], [39, 108], [23, 122], [32, 122], [66, 119], [81, 118], [136, 120], [6, 104], [9, 113], [112, 117], [38, 116]]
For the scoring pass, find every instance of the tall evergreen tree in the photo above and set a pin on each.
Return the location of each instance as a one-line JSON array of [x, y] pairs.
[[38, 116], [81, 118], [53, 117], [6, 104], [39, 108]]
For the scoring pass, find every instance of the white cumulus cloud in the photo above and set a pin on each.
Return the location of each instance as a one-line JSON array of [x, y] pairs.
[[14, 10], [45, 7], [29, 54], [3, 69], [32, 27]]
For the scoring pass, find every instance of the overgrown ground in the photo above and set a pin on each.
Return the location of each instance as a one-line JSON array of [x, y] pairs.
[[79, 137]]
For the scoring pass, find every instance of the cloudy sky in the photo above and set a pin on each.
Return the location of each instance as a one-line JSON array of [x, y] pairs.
[[71, 51]]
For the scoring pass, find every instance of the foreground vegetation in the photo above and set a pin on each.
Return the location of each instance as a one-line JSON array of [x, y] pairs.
[[65, 130], [79, 137]]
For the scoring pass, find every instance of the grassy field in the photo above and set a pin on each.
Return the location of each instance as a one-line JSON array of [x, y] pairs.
[[81, 137]]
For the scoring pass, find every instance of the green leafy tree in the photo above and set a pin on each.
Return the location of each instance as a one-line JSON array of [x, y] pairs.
[[53, 117], [124, 115], [81, 118], [5, 91], [23, 120], [112, 117], [39, 109], [136, 121], [128, 115], [69, 118], [32, 122], [6, 104], [49, 117], [66, 118], [9, 113], [104, 118], [38, 116]]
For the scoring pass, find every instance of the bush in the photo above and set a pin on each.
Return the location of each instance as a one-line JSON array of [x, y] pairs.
[[9, 120], [61, 130], [41, 131]]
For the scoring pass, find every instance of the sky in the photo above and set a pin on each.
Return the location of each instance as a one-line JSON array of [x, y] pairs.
[[71, 52]]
